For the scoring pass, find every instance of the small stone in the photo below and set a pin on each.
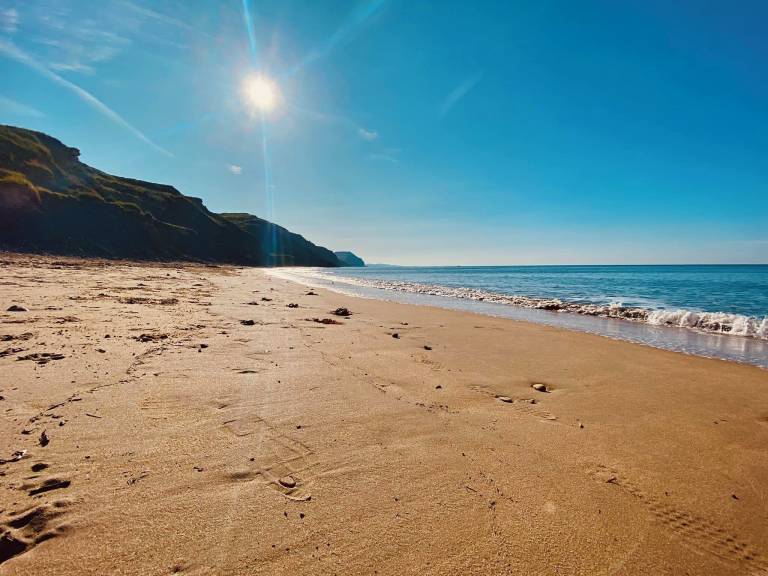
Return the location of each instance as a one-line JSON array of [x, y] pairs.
[[287, 482], [44, 440], [17, 308], [247, 322], [539, 387], [427, 347], [341, 312], [395, 335], [506, 399], [438, 387]]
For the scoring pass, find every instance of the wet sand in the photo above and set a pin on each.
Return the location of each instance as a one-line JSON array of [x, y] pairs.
[[147, 429]]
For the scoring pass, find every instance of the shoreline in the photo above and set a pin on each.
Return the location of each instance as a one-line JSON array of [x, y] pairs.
[[195, 443], [688, 340]]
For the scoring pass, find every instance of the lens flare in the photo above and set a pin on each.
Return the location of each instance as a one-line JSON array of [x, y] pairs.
[[260, 93]]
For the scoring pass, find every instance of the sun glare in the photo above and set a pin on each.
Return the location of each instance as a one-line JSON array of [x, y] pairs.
[[260, 93]]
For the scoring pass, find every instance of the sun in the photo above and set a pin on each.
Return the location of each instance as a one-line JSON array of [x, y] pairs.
[[260, 93]]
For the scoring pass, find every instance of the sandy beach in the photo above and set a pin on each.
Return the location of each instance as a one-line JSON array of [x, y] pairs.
[[164, 418]]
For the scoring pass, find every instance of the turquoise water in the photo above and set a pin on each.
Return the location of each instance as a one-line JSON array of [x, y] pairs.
[[734, 289], [710, 310]]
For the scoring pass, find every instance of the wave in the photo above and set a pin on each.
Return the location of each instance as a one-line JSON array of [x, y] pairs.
[[711, 322]]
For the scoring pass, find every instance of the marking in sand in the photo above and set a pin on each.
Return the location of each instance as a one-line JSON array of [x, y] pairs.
[[527, 406], [695, 531], [26, 529]]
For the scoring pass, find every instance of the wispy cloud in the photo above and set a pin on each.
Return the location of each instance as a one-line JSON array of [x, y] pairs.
[[361, 15], [154, 15], [459, 92], [343, 121], [390, 155], [12, 108], [235, 169], [9, 50], [9, 20], [369, 135]]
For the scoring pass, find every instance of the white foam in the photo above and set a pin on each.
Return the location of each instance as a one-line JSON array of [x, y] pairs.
[[711, 322]]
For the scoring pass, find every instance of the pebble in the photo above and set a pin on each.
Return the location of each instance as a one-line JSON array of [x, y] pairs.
[[16, 308], [506, 399], [287, 481], [539, 387]]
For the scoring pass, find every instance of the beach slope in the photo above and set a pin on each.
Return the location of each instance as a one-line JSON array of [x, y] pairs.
[[163, 418]]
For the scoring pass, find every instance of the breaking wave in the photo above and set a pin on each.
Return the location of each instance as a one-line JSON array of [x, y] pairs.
[[711, 322]]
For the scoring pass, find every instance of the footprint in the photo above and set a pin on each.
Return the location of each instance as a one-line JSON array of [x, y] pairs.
[[24, 530], [527, 406], [696, 531]]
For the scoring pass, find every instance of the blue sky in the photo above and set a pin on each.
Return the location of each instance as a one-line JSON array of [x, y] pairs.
[[423, 132]]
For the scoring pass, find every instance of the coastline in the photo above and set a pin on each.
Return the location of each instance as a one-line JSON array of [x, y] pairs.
[[429, 452], [622, 323]]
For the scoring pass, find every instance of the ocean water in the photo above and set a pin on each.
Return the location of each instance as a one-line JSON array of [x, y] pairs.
[[718, 311]]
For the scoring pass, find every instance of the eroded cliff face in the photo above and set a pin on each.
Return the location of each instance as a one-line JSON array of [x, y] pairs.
[[51, 202]]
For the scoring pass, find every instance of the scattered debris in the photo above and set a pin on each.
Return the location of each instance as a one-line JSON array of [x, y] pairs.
[[16, 308], [50, 484], [247, 322], [42, 357], [287, 482], [324, 320], [141, 300], [9, 351], [9, 337], [150, 337], [44, 440], [15, 457]]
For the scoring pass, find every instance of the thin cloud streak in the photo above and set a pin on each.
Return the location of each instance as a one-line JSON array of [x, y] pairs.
[[13, 108], [369, 135], [149, 13], [351, 25], [9, 20], [458, 93], [11, 51]]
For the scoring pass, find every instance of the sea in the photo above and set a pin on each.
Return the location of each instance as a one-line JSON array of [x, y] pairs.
[[718, 311]]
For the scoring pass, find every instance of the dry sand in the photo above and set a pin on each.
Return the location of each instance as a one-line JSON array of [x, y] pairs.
[[170, 426]]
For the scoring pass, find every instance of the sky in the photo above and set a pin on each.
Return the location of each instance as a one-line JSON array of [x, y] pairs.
[[424, 133]]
